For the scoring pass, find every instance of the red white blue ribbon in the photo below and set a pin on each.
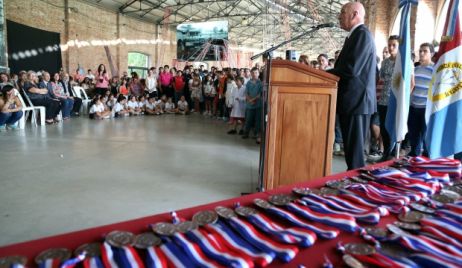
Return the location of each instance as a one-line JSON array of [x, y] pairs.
[[451, 166], [234, 242], [193, 251], [441, 236], [323, 232], [50, 263], [324, 205], [213, 250], [74, 261], [155, 258], [343, 222], [424, 244], [125, 257], [107, 255], [93, 262], [283, 252], [424, 260], [293, 235], [377, 259], [447, 226], [174, 255]]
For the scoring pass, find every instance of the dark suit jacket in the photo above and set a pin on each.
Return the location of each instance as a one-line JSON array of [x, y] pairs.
[[67, 87], [356, 66]]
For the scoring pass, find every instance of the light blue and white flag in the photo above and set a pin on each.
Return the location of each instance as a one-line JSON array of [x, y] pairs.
[[398, 105]]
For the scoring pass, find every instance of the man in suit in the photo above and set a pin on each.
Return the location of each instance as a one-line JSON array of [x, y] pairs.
[[356, 66], [66, 84]]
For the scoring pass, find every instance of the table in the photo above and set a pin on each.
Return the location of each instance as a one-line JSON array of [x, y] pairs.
[[310, 257]]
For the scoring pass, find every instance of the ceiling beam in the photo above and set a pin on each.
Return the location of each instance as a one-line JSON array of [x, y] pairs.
[[124, 6]]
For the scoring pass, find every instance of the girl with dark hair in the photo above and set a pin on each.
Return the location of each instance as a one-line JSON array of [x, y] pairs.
[[10, 108], [102, 80]]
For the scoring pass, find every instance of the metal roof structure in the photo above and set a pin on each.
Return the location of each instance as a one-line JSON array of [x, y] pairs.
[[257, 24]]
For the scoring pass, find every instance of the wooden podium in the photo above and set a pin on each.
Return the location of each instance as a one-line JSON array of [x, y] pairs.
[[300, 126]]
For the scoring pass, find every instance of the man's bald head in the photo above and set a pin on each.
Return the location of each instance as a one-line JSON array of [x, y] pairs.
[[352, 14]]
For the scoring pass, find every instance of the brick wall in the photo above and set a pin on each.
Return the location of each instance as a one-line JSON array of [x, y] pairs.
[[85, 28], [423, 21]]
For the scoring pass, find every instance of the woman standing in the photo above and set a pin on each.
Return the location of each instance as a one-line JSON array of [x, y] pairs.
[[102, 80]]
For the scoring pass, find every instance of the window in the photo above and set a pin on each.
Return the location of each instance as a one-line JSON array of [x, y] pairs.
[[139, 63]]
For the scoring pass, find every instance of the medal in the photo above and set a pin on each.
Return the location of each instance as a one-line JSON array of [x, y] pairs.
[[164, 228], [205, 217], [120, 239], [52, 257], [407, 226], [411, 217], [359, 249], [422, 208], [302, 191], [280, 199], [146, 240], [13, 261]]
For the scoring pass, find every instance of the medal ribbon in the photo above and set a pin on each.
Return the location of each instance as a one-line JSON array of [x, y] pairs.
[[380, 196], [174, 255], [451, 166], [50, 263], [424, 260], [74, 261], [447, 226], [231, 240], [441, 236], [107, 256], [324, 205], [93, 262], [155, 258], [343, 222], [294, 235], [423, 244], [193, 251], [283, 252], [215, 252], [376, 259], [450, 214], [323, 232]]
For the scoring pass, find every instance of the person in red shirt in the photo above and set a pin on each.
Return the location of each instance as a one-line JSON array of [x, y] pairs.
[[178, 85], [165, 79]]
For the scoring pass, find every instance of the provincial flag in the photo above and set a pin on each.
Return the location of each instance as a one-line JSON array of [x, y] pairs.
[[444, 103]]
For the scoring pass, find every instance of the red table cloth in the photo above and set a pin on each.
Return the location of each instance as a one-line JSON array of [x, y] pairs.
[[310, 257]]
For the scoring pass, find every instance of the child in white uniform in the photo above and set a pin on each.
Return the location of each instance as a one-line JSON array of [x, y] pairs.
[[182, 106], [151, 106], [170, 106], [97, 110], [120, 108], [133, 107]]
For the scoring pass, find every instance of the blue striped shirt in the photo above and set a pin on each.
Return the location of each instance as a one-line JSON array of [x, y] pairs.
[[423, 76]]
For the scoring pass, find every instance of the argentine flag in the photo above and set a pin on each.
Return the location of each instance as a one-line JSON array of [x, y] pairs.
[[398, 105], [444, 103]]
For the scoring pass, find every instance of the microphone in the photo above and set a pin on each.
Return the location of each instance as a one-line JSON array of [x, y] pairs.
[[325, 25]]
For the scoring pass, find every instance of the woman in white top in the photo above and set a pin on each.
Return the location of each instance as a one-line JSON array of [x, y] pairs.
[[97, 110], [151, 82], [238, 106], [133, 107]]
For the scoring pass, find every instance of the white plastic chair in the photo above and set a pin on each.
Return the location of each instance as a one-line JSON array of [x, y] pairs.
[[29, 108], [80, 93]]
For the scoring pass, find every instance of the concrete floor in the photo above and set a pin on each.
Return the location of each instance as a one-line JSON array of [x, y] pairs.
[[82, 173]]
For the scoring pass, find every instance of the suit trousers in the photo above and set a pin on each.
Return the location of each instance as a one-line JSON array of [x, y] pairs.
[[354, 130]]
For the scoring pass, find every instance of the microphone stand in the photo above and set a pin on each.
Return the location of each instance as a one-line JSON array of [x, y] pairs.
[[265, 104]]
